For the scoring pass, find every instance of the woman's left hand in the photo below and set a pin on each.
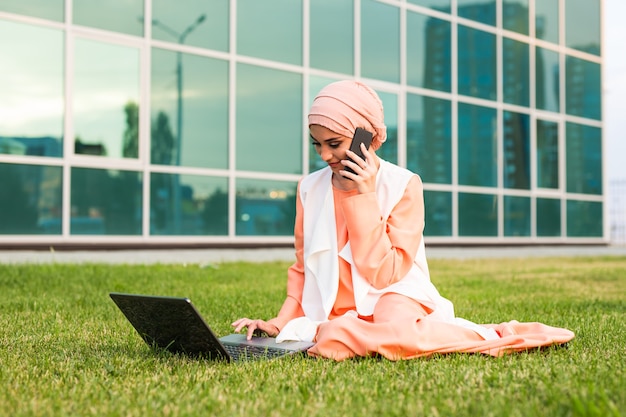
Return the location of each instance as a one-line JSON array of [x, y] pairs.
[[365, 170]]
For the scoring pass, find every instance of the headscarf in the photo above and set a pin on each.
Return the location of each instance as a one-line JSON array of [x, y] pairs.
[[343, 106]]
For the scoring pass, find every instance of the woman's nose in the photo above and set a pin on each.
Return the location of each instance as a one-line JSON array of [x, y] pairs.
[[326, 154]]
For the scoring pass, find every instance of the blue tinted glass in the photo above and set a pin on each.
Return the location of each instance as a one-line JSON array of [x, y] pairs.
[[105, 202], [516, 149], [515, 15], [583, 88], [389, 150], [547, 154], [477, 63], [477, 162], [515, 72], [582, 25], [547, 20], [188, 205], [270, 29], [31, 90], [548, 217], [31, 199], [269, 120], [428, 52], [438, 207], [45, 9], [119, 16], [429, 138], [332, 35], [189, 97], [584, 218], [198, 23], [547, 79], [266, 208], [441, 5], [478, 214], [380, 41], [106, 99], [483, 11], [583, 155], [516, 216]]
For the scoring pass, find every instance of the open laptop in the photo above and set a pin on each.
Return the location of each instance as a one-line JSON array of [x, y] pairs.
[[174, 324]]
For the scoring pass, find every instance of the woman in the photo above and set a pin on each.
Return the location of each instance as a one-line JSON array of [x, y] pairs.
[[360, 284]]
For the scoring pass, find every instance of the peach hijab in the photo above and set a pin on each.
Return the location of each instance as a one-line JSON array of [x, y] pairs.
[[343, 106]]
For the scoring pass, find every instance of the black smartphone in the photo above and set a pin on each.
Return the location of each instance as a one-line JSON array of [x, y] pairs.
[[360, 136]]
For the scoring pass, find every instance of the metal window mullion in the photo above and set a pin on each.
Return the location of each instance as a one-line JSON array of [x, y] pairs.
[[68, 130]]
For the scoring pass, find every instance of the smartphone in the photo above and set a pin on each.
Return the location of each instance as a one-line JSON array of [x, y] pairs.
[[360, 136]]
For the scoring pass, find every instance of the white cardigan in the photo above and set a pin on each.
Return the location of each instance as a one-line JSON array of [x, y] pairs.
[[321, 265]]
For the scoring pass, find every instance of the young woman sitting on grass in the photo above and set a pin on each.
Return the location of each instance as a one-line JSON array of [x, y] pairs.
[[360, 283]]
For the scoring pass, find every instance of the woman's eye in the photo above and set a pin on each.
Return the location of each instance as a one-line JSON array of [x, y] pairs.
[[334, 145], [316, 144]]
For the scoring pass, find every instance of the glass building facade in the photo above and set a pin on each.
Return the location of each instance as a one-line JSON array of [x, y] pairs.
[[183, 122]]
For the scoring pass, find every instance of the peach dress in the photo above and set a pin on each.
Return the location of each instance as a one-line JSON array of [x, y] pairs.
[[400, 327]]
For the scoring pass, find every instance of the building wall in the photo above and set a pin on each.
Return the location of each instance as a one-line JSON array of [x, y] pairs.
[[167, 122]]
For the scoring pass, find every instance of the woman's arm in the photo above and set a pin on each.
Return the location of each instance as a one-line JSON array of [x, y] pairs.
[[384, 251]]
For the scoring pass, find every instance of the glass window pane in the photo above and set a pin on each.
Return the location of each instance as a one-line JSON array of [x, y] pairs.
[[583, 151], [31, 90], [477, 145], [515, 15], [44, 9], [548, 217], [547, 20], [106, 97], [198, 23], [583, 89], [582, 25], [389, 150], [105, 202], [547, 154], [270, 29], [483, 11], [515, 72], [332, 35], [118, 16], [478, 214], [516, 147], [189, 98], [584, 218], [188, 205], [428, 52], [269, 117], [429, 138], [380, 41], [438, 207], [31, 199], [441, 5], [477, 63], [516, 216], [266, 208], [547, 79]]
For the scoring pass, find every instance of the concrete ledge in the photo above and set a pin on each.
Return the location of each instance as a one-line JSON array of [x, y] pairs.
[[212, 256]]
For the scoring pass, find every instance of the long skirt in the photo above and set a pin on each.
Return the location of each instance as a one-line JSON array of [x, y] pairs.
[[401, 329]]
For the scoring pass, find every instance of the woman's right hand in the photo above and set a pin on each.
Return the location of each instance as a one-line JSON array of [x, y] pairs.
[[253, 325]]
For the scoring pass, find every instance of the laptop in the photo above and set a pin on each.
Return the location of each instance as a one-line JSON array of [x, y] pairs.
[[174, 324]]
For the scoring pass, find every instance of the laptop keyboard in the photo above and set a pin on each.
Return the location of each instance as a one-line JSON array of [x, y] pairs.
[[247, 352]]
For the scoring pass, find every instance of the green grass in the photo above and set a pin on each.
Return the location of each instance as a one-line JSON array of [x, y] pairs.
[[65, 349]]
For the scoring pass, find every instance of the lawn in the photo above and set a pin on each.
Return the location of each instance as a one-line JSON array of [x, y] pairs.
[[65, 349]]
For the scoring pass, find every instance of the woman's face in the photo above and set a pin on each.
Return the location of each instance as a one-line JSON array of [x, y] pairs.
[[330, 146]]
